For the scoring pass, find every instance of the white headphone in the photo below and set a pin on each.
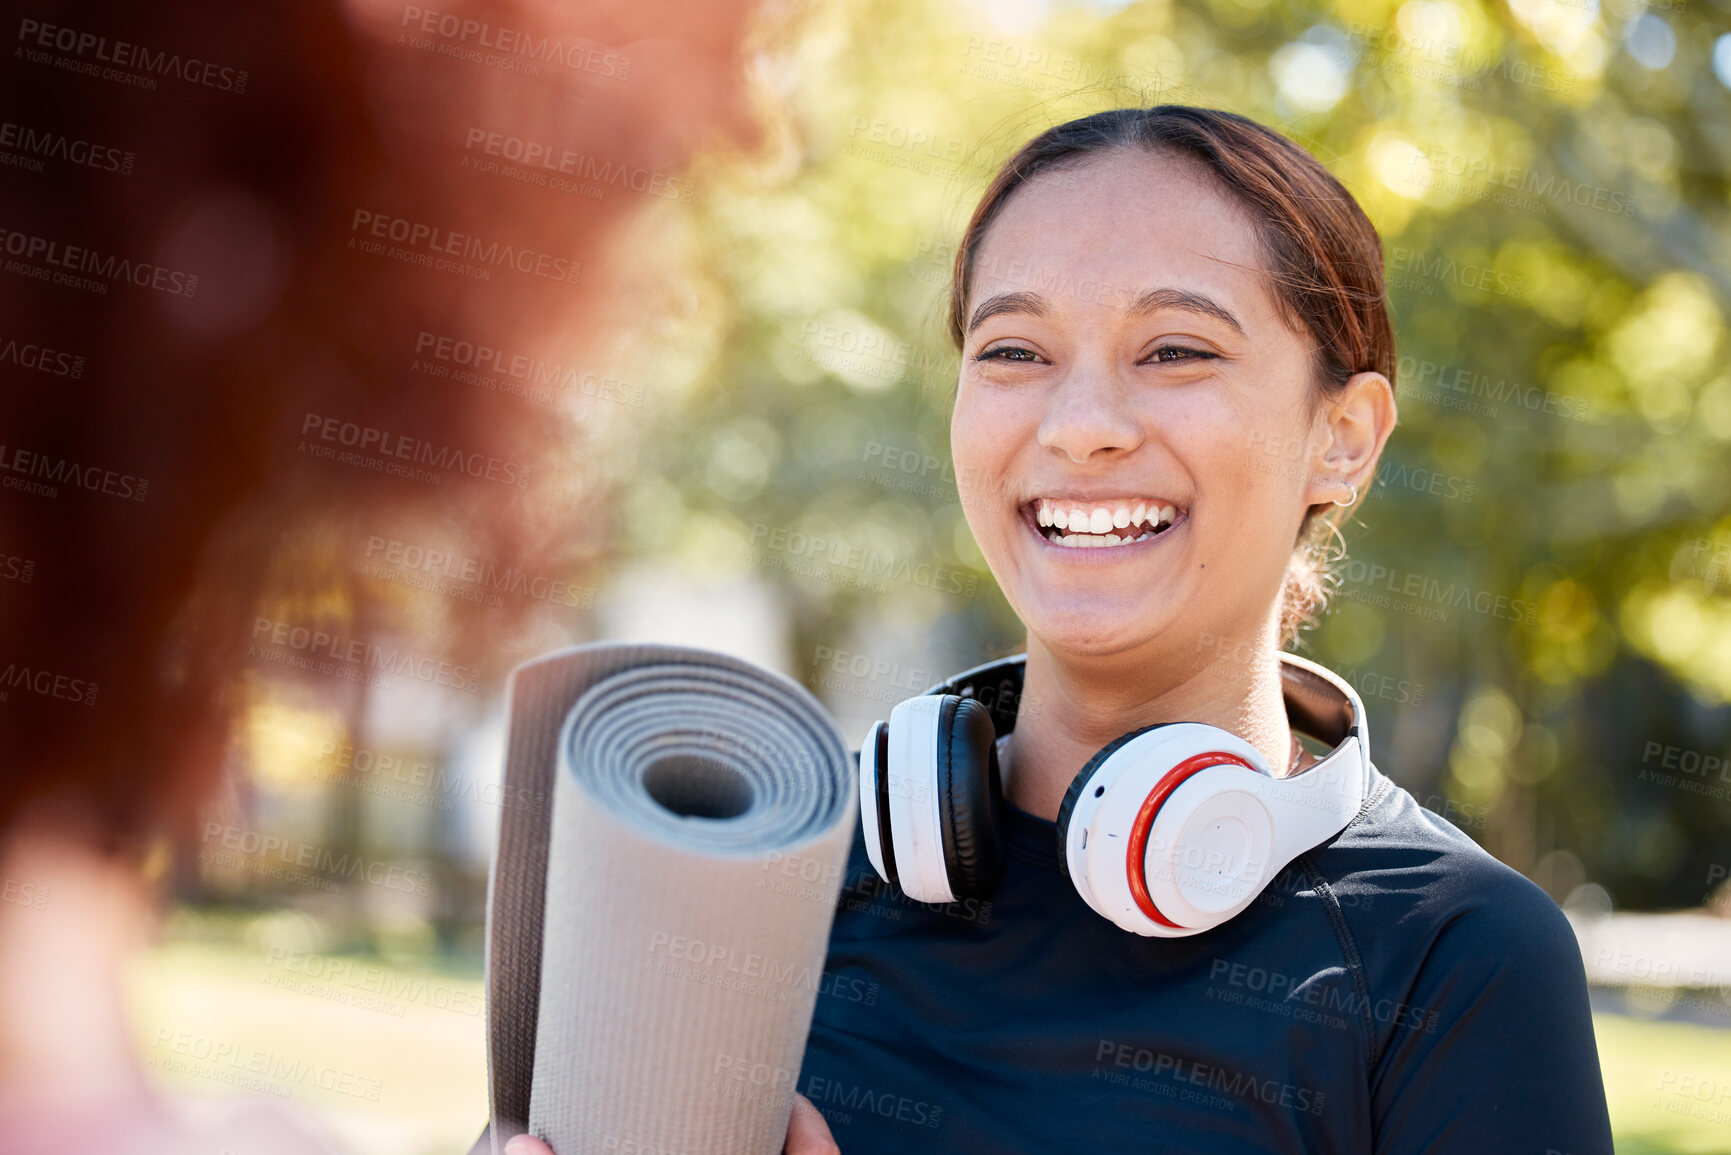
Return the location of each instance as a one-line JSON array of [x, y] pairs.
[[1168, 831]]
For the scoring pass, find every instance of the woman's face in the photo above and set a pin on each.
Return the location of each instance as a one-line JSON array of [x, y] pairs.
[[1125, 360]]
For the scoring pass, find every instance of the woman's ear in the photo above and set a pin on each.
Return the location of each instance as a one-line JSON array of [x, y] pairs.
[[1356, 425]]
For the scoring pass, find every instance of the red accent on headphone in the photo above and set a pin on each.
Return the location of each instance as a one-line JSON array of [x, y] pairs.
[[1138, 849]]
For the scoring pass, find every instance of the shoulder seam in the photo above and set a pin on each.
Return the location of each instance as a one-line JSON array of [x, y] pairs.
[[1349, 948], [1371, 802]]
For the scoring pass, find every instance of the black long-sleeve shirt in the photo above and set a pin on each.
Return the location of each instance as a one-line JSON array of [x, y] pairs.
[[1394, 990]]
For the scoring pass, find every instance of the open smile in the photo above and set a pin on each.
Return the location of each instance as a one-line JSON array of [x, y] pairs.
[[1114, 523]]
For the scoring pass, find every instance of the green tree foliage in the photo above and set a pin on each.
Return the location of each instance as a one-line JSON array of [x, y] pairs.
[[1537, 600]]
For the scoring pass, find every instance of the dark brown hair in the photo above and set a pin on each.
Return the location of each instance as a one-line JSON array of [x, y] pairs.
[[1322, 252]]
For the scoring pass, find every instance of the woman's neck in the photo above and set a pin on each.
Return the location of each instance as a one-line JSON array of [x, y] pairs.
[[1072, 706]]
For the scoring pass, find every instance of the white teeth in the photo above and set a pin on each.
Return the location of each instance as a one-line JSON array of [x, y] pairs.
[[1098, 541], [1102, 526]]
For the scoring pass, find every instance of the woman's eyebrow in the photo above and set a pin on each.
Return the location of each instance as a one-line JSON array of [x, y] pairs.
[[1008, 303], [1153, 299], [1145, 302]]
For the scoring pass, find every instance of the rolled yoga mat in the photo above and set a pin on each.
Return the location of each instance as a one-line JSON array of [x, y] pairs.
[[657, 929]]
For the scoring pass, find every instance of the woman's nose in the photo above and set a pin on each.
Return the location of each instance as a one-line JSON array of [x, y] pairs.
[[1088, 413]]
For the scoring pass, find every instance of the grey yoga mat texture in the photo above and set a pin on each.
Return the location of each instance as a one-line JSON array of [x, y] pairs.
[[676, 827]]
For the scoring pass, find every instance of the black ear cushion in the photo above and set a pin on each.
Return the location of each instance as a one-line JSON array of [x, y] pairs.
[[970, 794], [886, 843], [1079, 782]]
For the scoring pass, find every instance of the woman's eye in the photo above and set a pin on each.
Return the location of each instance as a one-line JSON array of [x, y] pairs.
[[1180, 353], [1007, 353]]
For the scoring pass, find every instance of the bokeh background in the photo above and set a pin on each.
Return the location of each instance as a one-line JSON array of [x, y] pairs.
[[1535, 601]]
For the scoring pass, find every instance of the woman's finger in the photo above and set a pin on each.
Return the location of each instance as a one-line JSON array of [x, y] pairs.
[[807, 1132], [527, 1145]]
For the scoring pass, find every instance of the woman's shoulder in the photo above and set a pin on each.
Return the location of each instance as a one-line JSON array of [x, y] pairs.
[[1475, 993], [1410, 883], [1402, 850]]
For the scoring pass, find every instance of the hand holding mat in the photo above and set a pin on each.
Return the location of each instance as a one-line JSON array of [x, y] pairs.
[[657, 931]]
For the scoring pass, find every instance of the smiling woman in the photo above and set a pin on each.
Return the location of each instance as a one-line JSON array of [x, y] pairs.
[[1176, 368]]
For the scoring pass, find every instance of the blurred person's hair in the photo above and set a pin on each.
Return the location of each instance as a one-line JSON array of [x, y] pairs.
[[1322, 253], [191, 407]]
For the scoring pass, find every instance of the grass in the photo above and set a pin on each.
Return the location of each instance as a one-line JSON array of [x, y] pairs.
[[1668, 1084]]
